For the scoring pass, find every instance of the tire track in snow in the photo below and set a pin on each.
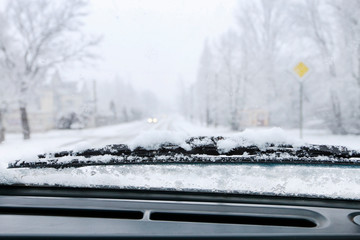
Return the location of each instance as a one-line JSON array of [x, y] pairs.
[[121, 134]]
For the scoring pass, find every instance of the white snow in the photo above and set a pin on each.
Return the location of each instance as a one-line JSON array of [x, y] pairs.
[[153, 139], [259, 138], [332, 182]]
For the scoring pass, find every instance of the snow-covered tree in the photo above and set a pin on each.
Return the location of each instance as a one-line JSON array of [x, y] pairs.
[[206, 80], [6, 86], [252, 65], [124, 101], [44, 34], [347, 13]]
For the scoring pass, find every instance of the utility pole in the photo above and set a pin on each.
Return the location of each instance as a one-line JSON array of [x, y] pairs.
[[301, 97], [301, 72], [95, 101]]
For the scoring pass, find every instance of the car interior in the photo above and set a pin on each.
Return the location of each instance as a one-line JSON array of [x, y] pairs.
[[51, 212]]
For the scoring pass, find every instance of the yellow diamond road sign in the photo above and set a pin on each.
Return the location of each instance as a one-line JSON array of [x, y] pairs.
[[301, 69]]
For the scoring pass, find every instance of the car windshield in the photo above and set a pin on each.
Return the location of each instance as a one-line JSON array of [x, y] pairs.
[[248, 97]]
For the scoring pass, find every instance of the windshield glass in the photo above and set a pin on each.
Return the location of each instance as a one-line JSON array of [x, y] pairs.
[[209, 96]]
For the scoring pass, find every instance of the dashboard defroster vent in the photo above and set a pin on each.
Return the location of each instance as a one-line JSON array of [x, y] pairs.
[[233, 219]]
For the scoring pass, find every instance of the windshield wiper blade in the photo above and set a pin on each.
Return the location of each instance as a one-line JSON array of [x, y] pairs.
[[203, 150]]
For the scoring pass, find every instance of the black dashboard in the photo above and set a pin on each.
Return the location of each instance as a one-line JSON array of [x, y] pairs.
[[50, 212]]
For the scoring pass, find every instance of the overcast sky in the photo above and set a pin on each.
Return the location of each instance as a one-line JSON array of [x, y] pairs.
[[154, 43]]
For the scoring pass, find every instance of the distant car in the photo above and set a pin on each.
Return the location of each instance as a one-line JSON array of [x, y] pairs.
[[152, 120]]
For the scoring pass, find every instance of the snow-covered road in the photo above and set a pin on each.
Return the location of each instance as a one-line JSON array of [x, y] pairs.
[[14, 147]]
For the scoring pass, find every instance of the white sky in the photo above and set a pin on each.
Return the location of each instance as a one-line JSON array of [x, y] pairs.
[[154, 43]]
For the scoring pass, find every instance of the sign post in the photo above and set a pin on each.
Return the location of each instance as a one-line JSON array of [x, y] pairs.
[[301, 71]]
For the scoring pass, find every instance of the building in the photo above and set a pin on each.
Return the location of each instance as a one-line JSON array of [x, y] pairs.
[[51, 102], [254, 118]]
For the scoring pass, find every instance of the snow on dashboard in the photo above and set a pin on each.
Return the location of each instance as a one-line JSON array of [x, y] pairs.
[[327, 182]]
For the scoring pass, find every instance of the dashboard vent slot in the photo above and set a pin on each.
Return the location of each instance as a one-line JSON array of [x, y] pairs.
[[233, 219], [68, 212]]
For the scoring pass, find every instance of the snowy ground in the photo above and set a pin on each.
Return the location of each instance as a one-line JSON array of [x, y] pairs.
[[294, 180]]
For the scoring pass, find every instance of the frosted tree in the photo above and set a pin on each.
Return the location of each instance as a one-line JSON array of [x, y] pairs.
[[241, 71], [206, 80], [183, 99], [45, 35], [231, 80], [348, 18], [123, 102], [334, 30], [264, 27], [319, 29], [2, 76], [251, 65], [6, 86]]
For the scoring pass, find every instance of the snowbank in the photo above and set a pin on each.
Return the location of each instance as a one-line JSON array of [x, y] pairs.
[[154, 139], [259, 138]]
